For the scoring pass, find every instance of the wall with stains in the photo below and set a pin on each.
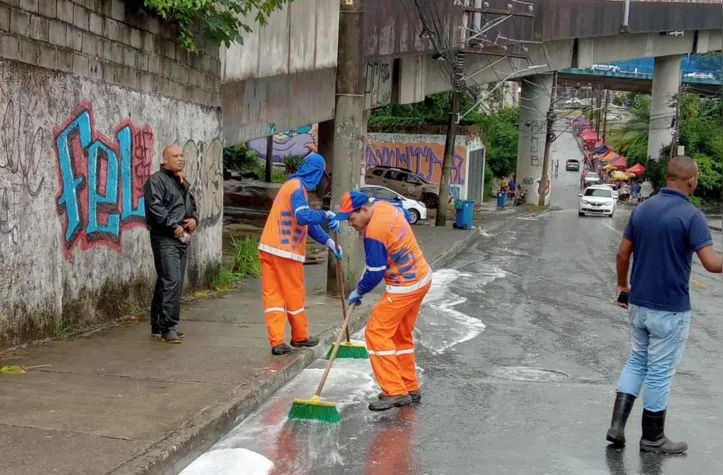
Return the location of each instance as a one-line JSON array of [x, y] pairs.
[[74, 155]]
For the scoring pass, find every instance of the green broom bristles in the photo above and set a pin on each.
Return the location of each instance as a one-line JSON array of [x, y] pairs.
[[350, 350], [314, 409]]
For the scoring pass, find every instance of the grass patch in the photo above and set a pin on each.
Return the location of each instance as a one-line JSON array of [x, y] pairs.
[[245, 264]]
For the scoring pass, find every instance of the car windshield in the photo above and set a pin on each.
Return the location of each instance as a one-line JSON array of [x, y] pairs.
[[572, 160], [599, 192]]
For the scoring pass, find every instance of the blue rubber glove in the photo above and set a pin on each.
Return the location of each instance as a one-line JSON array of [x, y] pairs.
[[334, 226], [354, 298], [330, 215], [337, 251]]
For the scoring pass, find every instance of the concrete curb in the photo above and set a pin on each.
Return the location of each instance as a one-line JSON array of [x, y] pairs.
[[172, 454]]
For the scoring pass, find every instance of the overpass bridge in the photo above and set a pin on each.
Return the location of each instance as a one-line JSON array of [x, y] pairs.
[[332, 62], [701, 73]]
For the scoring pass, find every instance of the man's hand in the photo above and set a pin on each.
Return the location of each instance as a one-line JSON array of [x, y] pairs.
[[190, 224], [354, 298], [336, 250], [334, 226], [618, 290], [178, 232]]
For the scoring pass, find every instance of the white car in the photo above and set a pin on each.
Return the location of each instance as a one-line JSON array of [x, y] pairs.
[[415, 208], [597, 199], [591, 178], [615, 192]]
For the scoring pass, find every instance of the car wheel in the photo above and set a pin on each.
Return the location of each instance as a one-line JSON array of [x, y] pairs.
[[415, 216], [430, 200], [580, 213]]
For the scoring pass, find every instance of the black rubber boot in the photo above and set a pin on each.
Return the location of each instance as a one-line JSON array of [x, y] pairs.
[[415, 395], [654, 439], [623, 405], [171, 337], [388, 402], [309, 342], [281, 350]]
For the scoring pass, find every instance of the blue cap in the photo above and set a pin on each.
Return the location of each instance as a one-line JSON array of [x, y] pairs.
[[350, 202]]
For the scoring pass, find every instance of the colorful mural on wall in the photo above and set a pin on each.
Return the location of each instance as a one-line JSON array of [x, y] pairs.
[[300, 141], [100, 180], [423, 154]]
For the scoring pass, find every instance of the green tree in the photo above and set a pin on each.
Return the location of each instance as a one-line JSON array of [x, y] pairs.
[[220, 21]]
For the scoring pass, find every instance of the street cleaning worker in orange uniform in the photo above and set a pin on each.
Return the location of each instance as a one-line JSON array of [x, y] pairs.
[[282, 251], [392, 254]]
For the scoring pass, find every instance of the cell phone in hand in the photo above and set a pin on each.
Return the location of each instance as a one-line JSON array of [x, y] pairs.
[[623, 298]]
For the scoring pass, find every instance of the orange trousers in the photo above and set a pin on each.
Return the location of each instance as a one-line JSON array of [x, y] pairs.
[[282, 285], [390, 343]]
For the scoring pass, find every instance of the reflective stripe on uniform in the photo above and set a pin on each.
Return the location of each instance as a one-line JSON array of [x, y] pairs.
[[281, 253], [295, 312], [376, 269], [274, 309], [391, 352], [405, 289], [300, 208]]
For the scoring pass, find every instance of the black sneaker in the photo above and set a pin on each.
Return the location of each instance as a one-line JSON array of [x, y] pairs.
[[281, 350], [309, 342], [415, 395], [171, 337], [155, 333], [388, 402], [178, 332]]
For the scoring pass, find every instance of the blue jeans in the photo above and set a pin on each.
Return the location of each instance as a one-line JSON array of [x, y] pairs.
[[657, 341]]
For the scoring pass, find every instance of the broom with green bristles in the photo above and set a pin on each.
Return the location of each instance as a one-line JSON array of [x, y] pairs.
[[346, 349], [315, 409]]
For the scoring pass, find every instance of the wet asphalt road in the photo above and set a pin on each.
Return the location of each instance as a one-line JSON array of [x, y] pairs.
[[519, 345]]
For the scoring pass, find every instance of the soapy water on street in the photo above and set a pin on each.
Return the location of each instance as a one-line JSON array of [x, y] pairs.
[[267, 442]]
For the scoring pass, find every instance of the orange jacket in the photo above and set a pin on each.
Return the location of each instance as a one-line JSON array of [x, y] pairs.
[[392, 253], [285, 231]]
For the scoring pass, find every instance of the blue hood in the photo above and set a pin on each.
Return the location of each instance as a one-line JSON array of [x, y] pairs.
[[311, 170]]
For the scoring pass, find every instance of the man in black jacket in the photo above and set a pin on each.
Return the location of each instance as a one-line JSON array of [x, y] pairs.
[[171, 218]]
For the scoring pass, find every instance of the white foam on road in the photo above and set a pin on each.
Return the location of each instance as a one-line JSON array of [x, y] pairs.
[[440, 326], [230, 462]]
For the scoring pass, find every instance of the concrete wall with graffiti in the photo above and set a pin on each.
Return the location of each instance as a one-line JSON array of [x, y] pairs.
[[300, 141], [423, 154], [74, 155]]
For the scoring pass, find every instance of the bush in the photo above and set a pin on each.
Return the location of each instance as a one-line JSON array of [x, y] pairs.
[[245, 264]]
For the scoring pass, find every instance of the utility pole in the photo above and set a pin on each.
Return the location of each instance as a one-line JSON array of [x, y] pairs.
[[549, 138], [269, 158], [676, 134], [449, 144], [605, 119]]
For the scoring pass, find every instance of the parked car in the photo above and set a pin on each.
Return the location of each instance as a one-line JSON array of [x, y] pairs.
[[415, 208], [591, 178], [405, 182], [597, 199], [572, 165]]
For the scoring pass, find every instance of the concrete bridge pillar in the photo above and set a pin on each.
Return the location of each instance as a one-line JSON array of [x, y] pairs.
[[666, 84], [534, 103]]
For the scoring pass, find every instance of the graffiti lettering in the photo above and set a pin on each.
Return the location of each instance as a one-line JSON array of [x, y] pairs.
[[101, 181], [423, 158], [204, 175], [21, 157], [300, 141]]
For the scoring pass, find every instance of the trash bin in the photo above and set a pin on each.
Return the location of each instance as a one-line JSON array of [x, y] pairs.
[[465, 212], [501, 199]]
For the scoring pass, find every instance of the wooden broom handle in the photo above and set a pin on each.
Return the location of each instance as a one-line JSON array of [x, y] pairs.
[[335, 350], [340, 283]]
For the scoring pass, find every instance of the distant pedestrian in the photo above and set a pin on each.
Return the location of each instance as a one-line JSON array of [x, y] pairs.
[[646, 189], [511, 186], [662, 234], [557, 167], [171, 218]]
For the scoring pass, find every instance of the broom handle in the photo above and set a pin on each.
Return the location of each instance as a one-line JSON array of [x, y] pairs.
[[340, 283], [339, 337]]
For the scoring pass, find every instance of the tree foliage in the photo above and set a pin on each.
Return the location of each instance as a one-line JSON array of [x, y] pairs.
[[701, 133], [220, 21]]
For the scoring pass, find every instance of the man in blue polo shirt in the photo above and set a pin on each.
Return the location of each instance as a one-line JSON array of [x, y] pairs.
[[662, 234]]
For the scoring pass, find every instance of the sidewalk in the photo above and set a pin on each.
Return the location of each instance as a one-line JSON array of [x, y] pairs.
[[116, 401]]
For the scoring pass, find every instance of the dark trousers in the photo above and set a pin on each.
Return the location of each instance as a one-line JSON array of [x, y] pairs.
[[169, 259]]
